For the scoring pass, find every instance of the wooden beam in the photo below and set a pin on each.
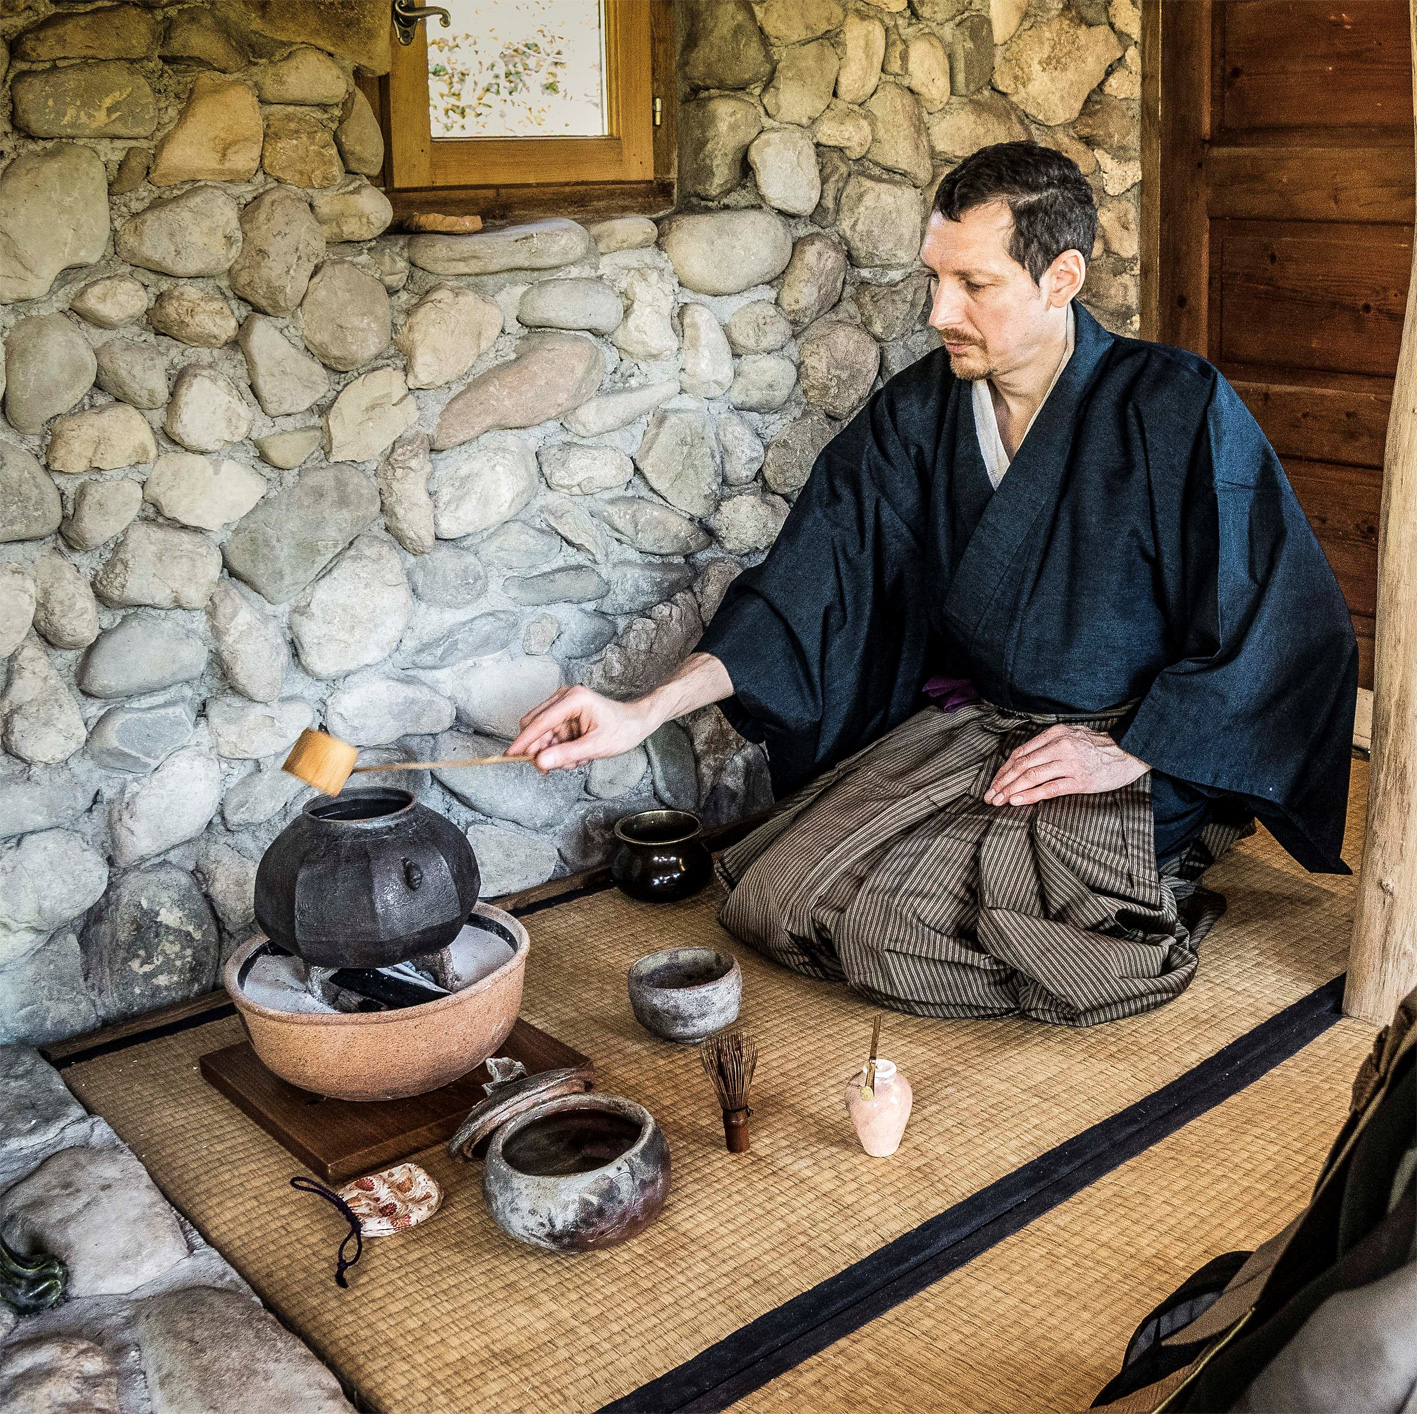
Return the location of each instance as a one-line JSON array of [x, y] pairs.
[[1382, 966]]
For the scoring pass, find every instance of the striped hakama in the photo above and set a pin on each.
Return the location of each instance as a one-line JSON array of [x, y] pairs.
[[890, 873]]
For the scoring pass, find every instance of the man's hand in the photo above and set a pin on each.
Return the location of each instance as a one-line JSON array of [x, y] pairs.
[[1063, 760]]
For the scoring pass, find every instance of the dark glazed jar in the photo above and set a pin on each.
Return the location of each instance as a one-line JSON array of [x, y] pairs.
[[658, 855], [366, 879]]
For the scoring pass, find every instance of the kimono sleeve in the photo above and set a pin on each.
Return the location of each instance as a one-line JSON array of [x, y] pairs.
[[1260, 705], [825, 640]]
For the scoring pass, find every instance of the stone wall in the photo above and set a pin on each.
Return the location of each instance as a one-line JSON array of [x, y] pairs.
[[265, 466]]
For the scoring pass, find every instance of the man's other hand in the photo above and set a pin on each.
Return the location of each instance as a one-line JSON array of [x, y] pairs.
[[575, 725], [1063, 760]]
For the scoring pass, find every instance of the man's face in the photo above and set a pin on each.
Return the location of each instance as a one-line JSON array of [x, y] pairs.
[[988, 311]]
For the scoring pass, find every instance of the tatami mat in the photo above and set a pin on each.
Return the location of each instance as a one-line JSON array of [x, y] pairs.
[[1040, 1322], [455, 1316]]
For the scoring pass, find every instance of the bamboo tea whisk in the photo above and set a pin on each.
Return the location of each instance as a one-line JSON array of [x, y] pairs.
[[730, 1059], [868, 1090], [327, 763]]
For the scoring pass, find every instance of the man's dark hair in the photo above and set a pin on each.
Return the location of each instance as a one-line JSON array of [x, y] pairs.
[[1050, 199]]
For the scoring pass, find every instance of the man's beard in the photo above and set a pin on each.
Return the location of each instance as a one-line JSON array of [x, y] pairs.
[[971, 365]]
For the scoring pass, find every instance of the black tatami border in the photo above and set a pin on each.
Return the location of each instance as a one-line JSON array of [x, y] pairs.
[[785, 1337]]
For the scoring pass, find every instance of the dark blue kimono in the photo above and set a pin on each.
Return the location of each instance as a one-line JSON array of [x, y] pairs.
[[1145, 544]]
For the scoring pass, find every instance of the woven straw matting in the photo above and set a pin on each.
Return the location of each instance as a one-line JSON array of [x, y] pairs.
[[1040, 1321], [456, 1316]]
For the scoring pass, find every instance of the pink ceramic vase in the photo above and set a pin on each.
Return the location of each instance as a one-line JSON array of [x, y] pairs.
[[880, 1121]]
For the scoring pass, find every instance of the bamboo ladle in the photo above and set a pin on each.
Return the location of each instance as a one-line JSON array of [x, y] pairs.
[[327, 763]]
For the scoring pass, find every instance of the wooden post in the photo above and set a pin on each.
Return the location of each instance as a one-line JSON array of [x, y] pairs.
[[1382, 965]]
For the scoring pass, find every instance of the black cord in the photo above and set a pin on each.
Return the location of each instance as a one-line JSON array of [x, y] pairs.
[[356, 1229]]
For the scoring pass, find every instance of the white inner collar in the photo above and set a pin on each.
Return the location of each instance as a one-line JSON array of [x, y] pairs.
[[986, 422]]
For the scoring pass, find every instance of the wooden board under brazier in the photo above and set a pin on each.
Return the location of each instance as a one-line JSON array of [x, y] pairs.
[[339, 1139]]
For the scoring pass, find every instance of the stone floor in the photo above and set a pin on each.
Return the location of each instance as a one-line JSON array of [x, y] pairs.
[[156, 1319]]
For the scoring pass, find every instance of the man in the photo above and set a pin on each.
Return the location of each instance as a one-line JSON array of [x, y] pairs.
[[1082, 547]]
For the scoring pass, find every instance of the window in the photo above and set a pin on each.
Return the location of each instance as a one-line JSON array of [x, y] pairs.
[[519, 106]]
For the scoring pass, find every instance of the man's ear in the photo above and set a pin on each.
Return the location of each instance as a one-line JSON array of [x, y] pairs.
[[1063, 278]]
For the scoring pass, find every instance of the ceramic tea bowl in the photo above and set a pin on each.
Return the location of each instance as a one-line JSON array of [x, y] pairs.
[[658, 855], [577, 1173], [685, 994], [386, 1055]]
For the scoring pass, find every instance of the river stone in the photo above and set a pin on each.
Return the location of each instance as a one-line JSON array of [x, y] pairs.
[[1116, 224], [446, 332], [300, 149], [582, 632], [403, 493], [111, 302], [118, 32], [964, 126], [281, 546], [651, 527], [196, 36], [252, 730], [281, 242], [742, 451], [39, 800], [196, 233], [846, 128], [228, 878], [793, 451], [1050, 68], [105, 438], [792, 21], [478, 637], [610, 777], [634, 587], [713, 585], [345, 316], [250, 648], [576, 526], [571, 304], [134, 373], [99, 1212], [45, 880], [358, 32], [449, 576], [171, 804], [43, 724], [285, 379], [724, 47], [53, 214], [359, 138], [551, 374], [288, 449], [625, 232], [672, 766], [30, 507], [708, 361], [1109, 123], [493, 696], [17, 596], [187, 488], [835, 170], [892, 311], [152, 940], [509, 792], [354, 615], [139, 739], [537, 245], [159, 567], [864, 37], [582, 470], [812, 284], [838, 365], [744, 524], [763, 382], [484, 487], [254, 799], [759, 327], [511, 859], [132, 171], [540, 633], [680, 459], [369, 415], [802, 85], [649, 649], [64, 609], [101, 510], [898, 139], [206, 411], [615, 410], [725, 252], [570, 584], [304, 76], [359, 214], [375, 711], [927, 69], [971, 54], [48, 368], [714, 137], [192, 316], [109, 99], [141, 654], [881, 220], [217, 137], [46, 998]]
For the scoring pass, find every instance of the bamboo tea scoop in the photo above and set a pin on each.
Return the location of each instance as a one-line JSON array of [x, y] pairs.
[[327, 763]]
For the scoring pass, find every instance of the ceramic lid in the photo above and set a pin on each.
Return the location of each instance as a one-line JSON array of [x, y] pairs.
[[515, 1098]]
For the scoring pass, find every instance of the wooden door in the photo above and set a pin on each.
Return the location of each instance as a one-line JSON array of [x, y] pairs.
[[1278, 202]]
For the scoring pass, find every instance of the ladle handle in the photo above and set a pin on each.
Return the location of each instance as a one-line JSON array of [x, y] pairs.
[[429, 765]]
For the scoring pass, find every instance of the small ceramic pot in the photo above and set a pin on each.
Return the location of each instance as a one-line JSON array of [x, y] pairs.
[[658, 855], [577, 1173], [685, 994], [880, 1121]]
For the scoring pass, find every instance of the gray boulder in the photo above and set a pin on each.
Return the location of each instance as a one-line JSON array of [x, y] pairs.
[[281, 243], [159, 567], [173, 803], [30, 507], [53, 214], [680, 459], [45, 880], [196, 233], [355, 614], [48, 368], [345, 316], [510, 792], [375, 711], [723, 252], [139, 739], [537, 245], [142, 653]]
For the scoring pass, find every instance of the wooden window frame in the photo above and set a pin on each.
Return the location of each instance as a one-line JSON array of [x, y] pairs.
[[629, 172]]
